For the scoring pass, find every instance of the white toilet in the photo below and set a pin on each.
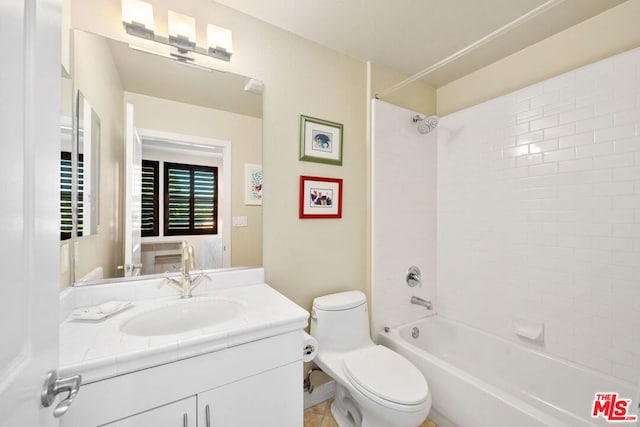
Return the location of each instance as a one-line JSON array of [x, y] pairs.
[[376, 387]]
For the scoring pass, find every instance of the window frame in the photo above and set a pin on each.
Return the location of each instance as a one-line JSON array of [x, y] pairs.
[[192, 169]]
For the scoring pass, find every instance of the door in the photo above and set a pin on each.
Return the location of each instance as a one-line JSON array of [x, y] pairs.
[[274, 397], [29, 207], [133, 198]]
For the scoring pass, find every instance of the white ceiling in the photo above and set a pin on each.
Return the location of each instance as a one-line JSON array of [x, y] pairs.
[[411, 35]]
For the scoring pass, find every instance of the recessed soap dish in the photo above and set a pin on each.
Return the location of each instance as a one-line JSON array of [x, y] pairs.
[[529, 329]]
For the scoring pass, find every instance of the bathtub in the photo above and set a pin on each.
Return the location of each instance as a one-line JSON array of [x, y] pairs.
[[477, 379]]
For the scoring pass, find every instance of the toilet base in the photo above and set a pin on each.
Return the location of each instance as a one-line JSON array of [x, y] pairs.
[[344, 411], [347, 414]]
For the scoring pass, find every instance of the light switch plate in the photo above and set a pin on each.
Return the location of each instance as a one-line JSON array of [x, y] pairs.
[[240, 221]]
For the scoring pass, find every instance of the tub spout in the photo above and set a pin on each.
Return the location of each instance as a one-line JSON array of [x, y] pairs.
[[422, 302]]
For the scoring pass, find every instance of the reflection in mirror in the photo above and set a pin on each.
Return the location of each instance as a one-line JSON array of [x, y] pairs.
[[198, 119], [87, 168], [66, 139]]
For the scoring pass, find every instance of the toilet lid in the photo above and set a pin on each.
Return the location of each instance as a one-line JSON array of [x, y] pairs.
[[386, 374]]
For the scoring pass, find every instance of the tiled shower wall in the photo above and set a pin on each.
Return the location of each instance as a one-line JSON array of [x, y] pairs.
[[403, 215], [539, 214]]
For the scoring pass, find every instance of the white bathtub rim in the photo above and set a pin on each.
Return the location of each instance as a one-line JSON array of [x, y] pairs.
[[503, 396], [488, 388], [555, 358]]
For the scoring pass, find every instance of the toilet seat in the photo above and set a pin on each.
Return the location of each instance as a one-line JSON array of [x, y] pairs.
[[386, 377]]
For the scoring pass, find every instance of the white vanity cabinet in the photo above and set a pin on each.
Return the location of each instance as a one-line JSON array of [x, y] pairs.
[[179, 414], [256, 383], [254, 401]]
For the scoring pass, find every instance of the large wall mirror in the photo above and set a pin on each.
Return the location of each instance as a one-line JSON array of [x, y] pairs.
[[200, 133]]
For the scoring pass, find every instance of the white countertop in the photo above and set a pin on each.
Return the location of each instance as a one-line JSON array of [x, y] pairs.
[[98, 349]]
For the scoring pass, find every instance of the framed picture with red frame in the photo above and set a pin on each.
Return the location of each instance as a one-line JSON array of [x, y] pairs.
[[320, 197]]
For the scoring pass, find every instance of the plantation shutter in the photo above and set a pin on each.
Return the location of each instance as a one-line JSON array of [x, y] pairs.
[[66, 174], [190, 199], [150, 184], [203, 200]]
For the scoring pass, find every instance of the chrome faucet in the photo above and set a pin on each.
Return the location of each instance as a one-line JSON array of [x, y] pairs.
[[187, 282], [419, 301]]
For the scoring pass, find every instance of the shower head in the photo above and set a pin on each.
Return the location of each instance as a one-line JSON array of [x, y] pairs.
[[425, 124]]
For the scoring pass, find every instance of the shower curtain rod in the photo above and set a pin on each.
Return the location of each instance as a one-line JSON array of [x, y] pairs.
[[516, 22]]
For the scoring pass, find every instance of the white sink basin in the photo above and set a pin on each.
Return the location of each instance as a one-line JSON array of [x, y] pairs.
[[183, 316]]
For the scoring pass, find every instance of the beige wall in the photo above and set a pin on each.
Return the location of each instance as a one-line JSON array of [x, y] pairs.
[[307, 258], [609, 33], [417, 96], [302, 258], [95, 75], [245, 135]]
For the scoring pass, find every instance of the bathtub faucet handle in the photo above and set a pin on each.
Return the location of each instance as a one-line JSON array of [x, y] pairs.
[[414, 277]]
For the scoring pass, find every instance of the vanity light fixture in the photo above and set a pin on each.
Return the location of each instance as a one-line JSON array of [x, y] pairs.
[[219, 42], [137, 19]]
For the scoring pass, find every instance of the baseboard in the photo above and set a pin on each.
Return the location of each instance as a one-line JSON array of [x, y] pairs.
[[439, 419], [320, 393]]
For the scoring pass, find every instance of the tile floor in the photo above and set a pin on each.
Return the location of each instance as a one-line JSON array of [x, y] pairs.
[[320, 416]]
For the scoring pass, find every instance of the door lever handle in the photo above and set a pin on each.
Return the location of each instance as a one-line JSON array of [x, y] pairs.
[[54, 385]]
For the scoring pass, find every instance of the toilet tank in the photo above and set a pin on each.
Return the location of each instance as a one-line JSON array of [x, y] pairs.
[[340, 322]]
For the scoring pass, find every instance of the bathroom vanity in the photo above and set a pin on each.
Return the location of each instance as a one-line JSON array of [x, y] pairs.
[[241, 367]]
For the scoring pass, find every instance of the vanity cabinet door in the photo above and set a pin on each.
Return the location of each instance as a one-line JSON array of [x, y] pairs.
[[269, 399], [177, 414]]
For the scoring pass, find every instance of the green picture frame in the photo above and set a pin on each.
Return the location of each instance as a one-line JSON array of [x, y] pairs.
[[320, 141]]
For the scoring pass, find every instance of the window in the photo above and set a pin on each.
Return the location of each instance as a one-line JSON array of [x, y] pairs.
[[190, 199], [65, 194], [150, 213]]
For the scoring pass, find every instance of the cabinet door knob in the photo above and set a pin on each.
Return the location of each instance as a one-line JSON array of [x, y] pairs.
[[185, 420], [207, 416]]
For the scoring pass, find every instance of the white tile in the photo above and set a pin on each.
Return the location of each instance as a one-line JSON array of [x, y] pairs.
[[575, 140], [626, 173], [529, 160], [529, 92], [529, 115], [544, 123], [626, 145], [562, 106], [567, 231], [544, 99], [520, 150], [559, 131], [592, 150], [543, 169], [613, 188], [595, 123], [614, 161], [626, 117], [575, 165], [578, 114], [554, 156], [622, 101], [539, 147], [610, 134]]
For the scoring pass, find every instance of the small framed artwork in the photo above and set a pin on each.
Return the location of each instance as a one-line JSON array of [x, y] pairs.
[[252, 184], [320, 197], [320, 141]]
